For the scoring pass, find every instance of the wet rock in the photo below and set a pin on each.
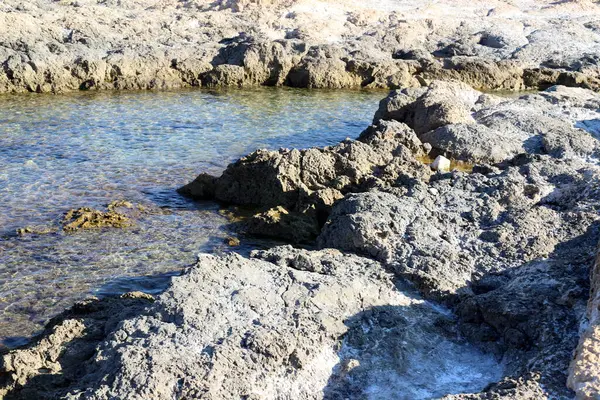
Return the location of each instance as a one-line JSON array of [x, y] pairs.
[[88, 218], [232, 241], [203, 187], [36, 230]]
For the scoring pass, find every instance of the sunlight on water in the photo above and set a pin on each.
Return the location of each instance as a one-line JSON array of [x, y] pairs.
[[88, 149]]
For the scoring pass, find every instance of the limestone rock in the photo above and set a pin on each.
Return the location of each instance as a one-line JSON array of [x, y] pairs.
[[584, 372], [88, 218], [281, 224], [441, 164], [285, 323]]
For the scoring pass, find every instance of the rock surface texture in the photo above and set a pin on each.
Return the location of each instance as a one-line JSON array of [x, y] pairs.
[[507, 248], [503, 239], [55, 46]]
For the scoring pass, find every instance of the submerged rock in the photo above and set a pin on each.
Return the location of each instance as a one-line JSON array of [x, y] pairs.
[[36, 230], [88, 218]]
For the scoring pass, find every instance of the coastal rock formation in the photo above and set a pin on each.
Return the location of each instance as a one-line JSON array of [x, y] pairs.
[[507, 246], [584, 374], [56, 46], [315, 178], [55, 358], [286, 323]]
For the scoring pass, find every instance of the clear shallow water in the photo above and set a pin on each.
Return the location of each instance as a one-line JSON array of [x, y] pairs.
[[88, 149]]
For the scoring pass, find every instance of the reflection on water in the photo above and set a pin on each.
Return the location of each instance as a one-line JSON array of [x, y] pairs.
[[87, 149]]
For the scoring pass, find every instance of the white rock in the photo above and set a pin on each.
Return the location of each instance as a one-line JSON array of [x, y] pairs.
[[440, 163]]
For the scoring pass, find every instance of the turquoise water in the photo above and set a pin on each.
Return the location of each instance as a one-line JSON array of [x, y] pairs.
[[88, 149]]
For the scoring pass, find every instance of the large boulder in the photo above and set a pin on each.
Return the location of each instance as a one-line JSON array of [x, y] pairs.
[[289, 177]]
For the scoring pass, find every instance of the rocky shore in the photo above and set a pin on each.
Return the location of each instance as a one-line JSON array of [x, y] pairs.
[[506, 244], [473, 281], [57, 46]]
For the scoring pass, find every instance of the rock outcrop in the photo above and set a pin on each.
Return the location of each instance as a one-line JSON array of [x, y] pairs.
[[286, 323], [56, 46], [584, 373], [507, 246]]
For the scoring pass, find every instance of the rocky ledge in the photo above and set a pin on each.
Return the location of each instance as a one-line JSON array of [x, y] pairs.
[[504, 246], [56, 46]]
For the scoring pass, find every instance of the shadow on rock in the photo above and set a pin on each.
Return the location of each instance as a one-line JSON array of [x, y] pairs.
[[50, 366]]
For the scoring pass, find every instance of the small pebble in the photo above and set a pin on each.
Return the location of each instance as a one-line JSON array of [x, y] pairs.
[[441, 163]]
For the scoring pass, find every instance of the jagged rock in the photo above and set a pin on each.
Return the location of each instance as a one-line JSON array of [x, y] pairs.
[[475, 143], [55, 357], [441, 104], [285, 323], [299, 179], [57, 46], [88, 218], [584, 372], [491, 245], [281, 224]]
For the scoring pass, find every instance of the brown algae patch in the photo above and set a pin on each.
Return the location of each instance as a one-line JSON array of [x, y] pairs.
[[89, 218]]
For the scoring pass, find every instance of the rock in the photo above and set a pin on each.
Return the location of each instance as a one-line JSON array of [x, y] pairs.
[[441, 104], [130, 45], [475, 143], [119, 214], [511, 284], [281, 224], [305, 324], [36, 230], [203, 187], [441, 164], [232, 241], [88, 218], [301, 179], [54, 358], [584, 371]]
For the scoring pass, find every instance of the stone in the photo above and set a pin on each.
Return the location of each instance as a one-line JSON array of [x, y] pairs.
[[283, 323], [232, 241], [584, 371], [441, 164], [279, 223], [475, 143]]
